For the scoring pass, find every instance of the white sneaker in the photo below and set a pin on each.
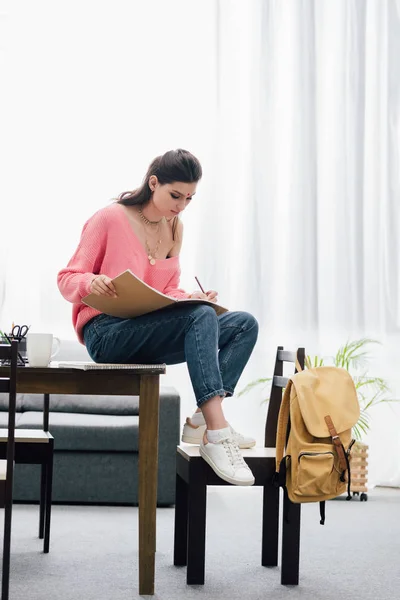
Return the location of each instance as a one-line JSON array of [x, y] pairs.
[[193, 434], [226, 461]]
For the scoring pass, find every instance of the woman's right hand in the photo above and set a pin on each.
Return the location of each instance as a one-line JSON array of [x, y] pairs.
[[102, 285], [198, 296], [211, 296]]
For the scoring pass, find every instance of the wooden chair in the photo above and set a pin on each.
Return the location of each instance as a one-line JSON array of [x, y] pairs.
[[9, 385], [36, 447], [193, 475]]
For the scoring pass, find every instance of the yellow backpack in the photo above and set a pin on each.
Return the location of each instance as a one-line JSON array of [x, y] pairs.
[[313, 441]]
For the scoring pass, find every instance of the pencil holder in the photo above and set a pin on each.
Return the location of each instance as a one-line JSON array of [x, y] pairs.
[[6, 339], [21, 347]]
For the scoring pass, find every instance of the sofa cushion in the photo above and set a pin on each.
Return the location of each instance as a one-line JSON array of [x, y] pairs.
[[72, 350], [88, 432], [4, 398], [4, 419], [86, 404]]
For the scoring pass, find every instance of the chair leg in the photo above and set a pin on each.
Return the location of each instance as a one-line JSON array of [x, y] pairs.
[[42, 508], [5, 581], [181, 522], [290, 544], [270, 526], [49, 489], [196, 539]]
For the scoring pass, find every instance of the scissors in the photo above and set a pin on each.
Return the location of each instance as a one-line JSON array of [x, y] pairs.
[[19, 331]]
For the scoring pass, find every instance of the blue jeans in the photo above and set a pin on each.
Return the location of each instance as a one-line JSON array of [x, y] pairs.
[[192, 334]]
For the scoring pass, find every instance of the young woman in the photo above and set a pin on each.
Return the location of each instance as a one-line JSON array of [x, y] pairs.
[[142, 232]]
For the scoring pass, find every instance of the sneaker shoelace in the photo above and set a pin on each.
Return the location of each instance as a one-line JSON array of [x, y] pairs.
[[232, 449]]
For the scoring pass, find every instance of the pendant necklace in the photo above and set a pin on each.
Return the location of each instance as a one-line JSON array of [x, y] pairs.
[[151, 255]]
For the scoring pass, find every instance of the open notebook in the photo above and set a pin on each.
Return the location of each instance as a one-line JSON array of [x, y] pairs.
[[92, 366], [136, 298]]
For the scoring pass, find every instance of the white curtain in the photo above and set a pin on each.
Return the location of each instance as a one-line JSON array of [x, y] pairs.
[[292, 107]]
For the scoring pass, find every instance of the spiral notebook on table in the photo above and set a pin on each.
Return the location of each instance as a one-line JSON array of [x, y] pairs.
[[136, 298], [92, 366]]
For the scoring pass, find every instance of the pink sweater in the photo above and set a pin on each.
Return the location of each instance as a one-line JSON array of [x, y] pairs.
[[109, 246]]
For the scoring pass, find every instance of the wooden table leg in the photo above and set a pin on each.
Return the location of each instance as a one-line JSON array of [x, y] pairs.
[[148, 466]]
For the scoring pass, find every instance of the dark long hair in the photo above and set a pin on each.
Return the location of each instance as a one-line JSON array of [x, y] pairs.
[[174, 165]]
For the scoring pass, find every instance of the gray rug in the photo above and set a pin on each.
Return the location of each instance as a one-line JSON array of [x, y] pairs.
[[93, 553]]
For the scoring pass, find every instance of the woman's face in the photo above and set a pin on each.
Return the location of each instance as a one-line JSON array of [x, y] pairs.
[[171, 198]]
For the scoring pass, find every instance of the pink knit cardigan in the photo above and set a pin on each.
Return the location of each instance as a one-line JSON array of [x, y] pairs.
[[109, 246]]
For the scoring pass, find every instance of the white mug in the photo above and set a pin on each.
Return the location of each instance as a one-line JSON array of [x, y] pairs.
[[39, 348]]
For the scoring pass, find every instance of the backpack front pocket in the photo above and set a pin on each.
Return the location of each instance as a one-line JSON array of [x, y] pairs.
[[316, 474]]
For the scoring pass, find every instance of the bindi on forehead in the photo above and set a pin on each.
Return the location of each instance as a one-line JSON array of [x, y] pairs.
[[181, 194]]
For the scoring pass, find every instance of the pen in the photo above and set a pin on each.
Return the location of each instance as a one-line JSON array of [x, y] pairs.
[[200, 286]]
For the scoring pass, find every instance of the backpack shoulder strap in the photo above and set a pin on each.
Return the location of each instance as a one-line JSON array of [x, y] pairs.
[[283, 420]]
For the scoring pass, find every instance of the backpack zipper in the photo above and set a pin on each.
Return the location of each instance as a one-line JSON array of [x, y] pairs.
[[312, 454]]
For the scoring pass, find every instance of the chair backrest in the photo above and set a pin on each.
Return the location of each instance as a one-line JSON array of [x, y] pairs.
[[279, 382], [9, 353]]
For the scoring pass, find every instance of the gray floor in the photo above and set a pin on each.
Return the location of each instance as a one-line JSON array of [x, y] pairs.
[[94, 552]]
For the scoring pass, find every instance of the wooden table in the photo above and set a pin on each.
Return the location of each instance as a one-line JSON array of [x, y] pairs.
[[141, 380]]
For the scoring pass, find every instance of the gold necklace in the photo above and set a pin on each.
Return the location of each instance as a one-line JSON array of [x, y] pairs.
[[147, 221], [152, 255]]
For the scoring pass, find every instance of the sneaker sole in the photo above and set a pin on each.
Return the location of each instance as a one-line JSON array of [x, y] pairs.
[[247, 446], [222, 475], [194, 440], [190, 440]]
